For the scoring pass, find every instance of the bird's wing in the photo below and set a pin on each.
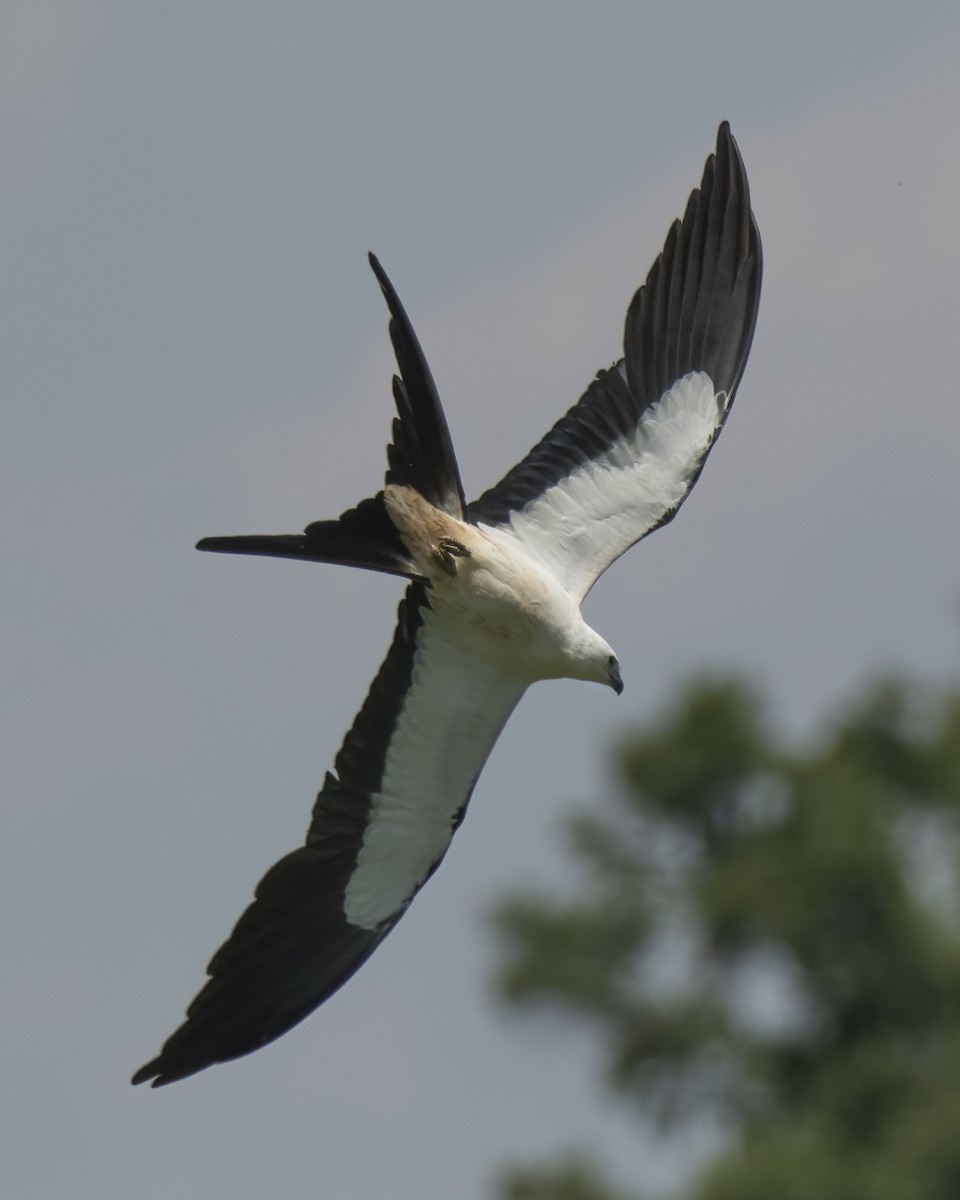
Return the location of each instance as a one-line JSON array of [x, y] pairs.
[[621, 462], [381, 824]]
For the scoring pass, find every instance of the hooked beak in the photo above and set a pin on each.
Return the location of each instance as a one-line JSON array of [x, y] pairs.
[[615, 681]]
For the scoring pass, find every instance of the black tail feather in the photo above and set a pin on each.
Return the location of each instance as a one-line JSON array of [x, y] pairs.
[[362, 537], [421, 455]]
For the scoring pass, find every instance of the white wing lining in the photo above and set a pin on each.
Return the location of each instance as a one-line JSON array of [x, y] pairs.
[[455, 709], [578, 527]]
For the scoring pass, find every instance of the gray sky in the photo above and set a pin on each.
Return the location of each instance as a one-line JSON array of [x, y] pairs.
[[195, 345]]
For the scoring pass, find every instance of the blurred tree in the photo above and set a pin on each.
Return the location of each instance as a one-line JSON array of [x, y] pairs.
[[769, 939]]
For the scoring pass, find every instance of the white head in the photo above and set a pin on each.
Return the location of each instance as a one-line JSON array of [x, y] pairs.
[[594, 659]]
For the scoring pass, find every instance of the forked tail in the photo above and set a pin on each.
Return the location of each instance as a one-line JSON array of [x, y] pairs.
[[420, 456]]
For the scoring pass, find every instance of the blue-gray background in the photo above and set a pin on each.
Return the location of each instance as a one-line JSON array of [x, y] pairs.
[[193, 344]]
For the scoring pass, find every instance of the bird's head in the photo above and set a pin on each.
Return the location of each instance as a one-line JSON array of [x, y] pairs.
[[596, 660]]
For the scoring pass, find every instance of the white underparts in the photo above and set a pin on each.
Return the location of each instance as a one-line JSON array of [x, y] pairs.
[[493, 625]]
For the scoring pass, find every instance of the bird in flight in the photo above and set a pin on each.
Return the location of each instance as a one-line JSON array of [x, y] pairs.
[[493, 604]]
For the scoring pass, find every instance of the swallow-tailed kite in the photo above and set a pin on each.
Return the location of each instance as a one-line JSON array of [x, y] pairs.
[[493, 605]]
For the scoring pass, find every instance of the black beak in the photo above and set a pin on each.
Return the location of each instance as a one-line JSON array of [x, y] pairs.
[[615, 681]]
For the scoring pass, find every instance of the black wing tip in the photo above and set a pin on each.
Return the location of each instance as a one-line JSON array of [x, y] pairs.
[[159, 1073], [727, 145], [147, 1071], [152, 1073], [727, 155]]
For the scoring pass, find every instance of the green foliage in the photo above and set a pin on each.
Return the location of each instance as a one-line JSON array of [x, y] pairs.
[[769, 937], [571, 1179]]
